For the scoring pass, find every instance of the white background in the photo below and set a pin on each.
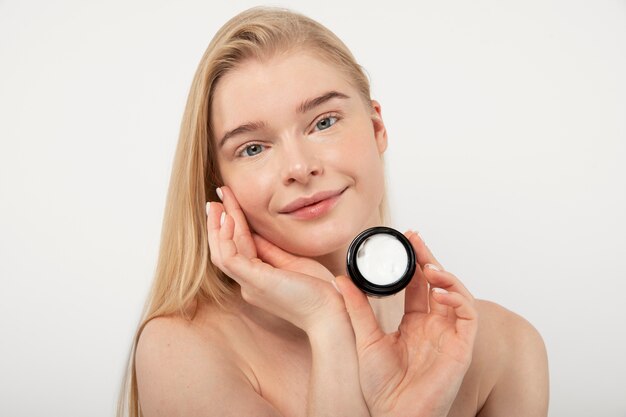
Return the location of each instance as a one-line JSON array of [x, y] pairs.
[[507, 129]]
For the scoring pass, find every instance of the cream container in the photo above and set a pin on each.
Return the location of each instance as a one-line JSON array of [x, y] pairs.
[[381, 261]]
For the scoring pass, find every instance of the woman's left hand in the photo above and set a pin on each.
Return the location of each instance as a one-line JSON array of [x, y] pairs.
[[294, 288], [298, 290], [417, 370]]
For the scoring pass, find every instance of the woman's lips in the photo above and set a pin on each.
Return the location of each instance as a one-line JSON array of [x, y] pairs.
[[316, 210]]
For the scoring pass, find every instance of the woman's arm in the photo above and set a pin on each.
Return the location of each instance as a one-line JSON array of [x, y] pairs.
[[298, 290], [334, 388]]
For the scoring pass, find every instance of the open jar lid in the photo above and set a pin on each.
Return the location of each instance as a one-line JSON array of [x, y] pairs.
[[381, 261]]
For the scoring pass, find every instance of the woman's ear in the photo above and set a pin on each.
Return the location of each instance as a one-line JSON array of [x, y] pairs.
[[380, 132]]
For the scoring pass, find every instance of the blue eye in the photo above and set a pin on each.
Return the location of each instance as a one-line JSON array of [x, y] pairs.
[[252, 149], [324, 123]]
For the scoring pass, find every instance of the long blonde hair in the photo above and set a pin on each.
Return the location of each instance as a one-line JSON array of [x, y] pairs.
[[184, 273]]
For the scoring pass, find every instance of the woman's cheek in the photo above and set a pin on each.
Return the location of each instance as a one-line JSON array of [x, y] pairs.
[[252, 196]]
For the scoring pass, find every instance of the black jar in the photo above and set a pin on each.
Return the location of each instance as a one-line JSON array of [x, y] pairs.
[[381, 261]]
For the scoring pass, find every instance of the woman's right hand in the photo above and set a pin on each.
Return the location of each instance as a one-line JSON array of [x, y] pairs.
[[294, 288], [417, 370]]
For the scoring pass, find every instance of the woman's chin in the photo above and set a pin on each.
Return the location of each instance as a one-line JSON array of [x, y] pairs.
[[315, 240], [317, 245]]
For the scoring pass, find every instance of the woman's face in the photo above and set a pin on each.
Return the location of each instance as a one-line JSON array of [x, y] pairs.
[[289, 150]]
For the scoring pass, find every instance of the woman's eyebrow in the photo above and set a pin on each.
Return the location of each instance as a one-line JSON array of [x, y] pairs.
[[311, 103], [305, 106]]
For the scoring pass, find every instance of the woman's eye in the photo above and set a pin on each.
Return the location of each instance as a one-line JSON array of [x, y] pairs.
[[325, 122], [251, 150]]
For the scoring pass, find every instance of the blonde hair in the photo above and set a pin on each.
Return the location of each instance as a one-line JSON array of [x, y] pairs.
[[184, 273]]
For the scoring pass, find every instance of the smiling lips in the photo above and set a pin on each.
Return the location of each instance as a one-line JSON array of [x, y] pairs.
[[314, 206]]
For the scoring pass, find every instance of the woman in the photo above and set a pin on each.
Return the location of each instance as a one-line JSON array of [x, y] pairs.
[[251, 312]]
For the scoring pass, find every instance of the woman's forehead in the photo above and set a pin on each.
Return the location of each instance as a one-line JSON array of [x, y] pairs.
[[294, 69], [281, 84]]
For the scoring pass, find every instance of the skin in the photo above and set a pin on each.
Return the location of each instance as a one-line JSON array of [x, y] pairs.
[[296, 302], [298, 157]]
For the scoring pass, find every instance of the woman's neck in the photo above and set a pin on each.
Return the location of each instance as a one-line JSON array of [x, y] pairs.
[[263, 321], [335, 262]]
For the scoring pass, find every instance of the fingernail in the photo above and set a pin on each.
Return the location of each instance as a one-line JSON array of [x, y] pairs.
[[439, 290], [222, 217], [208, 207], [431, 266], [335, 285], [219, 194]]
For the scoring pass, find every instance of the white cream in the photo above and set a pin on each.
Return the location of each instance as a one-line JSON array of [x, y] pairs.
[[382, 259]]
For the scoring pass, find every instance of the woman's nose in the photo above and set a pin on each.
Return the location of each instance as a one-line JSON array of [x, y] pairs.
[[300, 163]]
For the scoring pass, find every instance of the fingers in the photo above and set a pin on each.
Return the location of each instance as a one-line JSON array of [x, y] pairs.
[[214, 213], [437, 277], [416, 293], [227, 246], [364, 323], [242, 236], [464, 310], [449, 298], [228, 258], [423, 253], [220, 230], [435, 306], [432, 275], [270, 253]]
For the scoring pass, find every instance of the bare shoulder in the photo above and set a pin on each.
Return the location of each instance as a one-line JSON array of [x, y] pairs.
[[508, 328], [513, 356], [188, 369]]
